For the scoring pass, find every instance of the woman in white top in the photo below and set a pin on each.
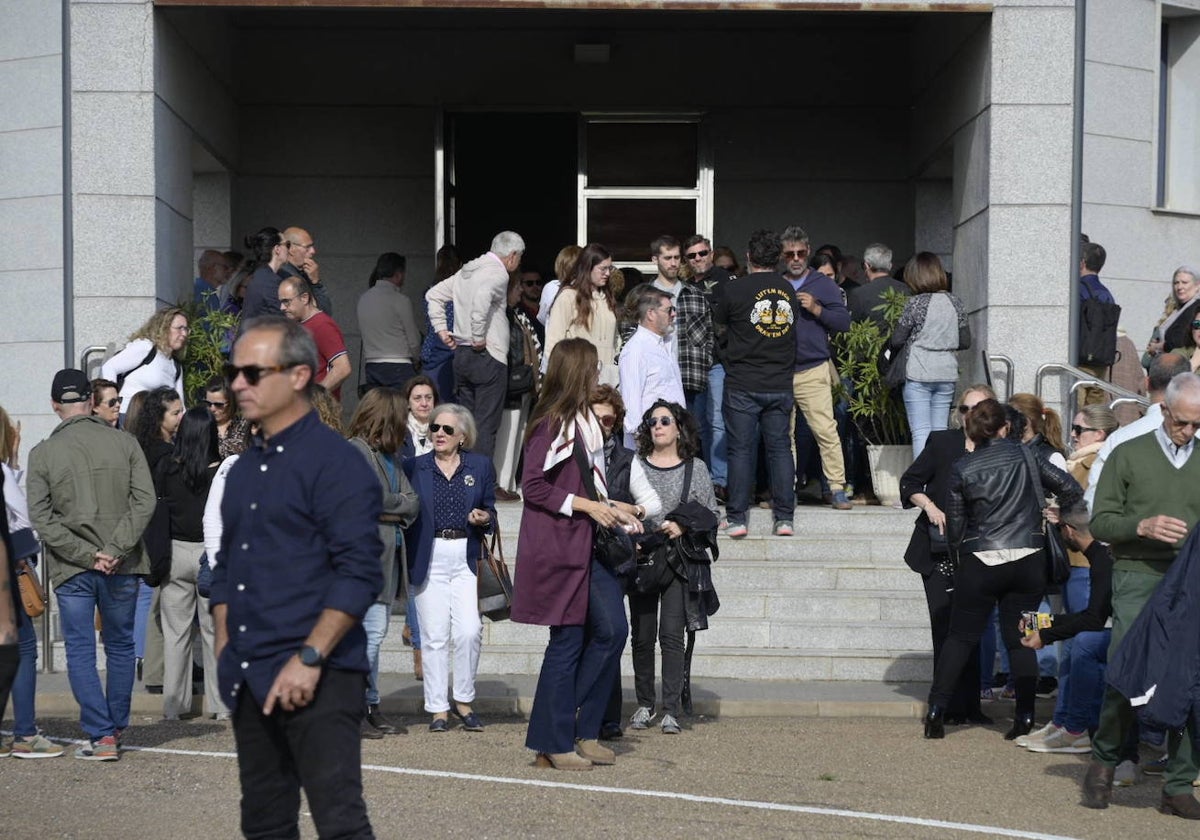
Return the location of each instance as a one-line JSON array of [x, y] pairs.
[[152, 357], [585, 309]]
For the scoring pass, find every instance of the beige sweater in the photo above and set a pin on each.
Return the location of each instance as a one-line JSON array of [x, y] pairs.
[[603, 332]]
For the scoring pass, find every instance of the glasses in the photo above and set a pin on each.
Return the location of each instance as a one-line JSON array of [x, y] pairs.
[[1196, 325], [538, 282], [252, 373], [1181, 424], [434, 427], [698, 255], [607, 420], [963, 409], [215, 404], [184, 328], [286, 302], [605, 269], [670, 310], [796, 255], [659, 421], [302, 245], [1079, 430], [112, 402]]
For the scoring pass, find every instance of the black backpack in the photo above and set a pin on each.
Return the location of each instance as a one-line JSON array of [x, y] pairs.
[[1097, 331], [121, 377]]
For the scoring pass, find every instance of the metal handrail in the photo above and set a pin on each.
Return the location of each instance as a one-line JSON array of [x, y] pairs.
[[1121, 393], [1009, 371], [85, 358]]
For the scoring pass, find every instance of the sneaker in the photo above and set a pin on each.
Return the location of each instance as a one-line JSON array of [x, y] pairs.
[[5, 747], [641, 718], [840, 501], [1157, 767], [1127, 774], [670, 726], [1063, 741], [101, 749], [783, 529], [1007, 693], [1036, 735], [39, 746], [987, 694], [1047, 687], [736, 531]]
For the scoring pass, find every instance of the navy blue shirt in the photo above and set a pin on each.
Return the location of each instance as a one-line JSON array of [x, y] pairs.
[[1091, 287], [301, 535], [812, 331], [451, 504]]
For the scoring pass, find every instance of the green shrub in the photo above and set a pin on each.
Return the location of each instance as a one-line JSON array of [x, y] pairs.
[[876, 410]]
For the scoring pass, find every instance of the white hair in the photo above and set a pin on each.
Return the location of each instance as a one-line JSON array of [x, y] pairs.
[[1183, 386], [878, 257], [508, 242], [1189, 271]]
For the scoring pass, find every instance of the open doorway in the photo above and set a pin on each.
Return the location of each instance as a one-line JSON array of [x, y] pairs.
[[511, 171]]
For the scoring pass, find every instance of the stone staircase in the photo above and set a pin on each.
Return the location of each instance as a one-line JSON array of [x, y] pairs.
[[834, 602]]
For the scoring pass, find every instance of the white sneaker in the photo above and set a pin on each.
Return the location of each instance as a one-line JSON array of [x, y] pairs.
[[641, 718], [1127, 774], [1036, 735], [1063, 741]]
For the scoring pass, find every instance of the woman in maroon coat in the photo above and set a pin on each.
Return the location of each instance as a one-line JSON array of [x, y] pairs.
[[557, 583]]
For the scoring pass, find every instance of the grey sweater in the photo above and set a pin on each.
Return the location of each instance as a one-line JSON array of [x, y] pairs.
[[668, 484]]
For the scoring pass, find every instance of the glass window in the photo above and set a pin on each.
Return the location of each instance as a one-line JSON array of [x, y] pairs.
[[627, 226], [639, 154]]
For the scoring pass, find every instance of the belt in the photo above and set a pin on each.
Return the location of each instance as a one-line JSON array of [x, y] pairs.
[[450, 534]]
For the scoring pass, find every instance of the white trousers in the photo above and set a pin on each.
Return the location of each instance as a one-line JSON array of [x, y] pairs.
[[508, 444], [181, 606], [448, 608]]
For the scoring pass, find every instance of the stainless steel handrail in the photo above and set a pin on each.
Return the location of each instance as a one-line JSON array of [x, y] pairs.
[[1083, 379], [85, 359], [1009, 371]]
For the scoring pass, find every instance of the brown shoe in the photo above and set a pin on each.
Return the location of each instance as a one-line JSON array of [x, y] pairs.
[[594, 751], [563, 761], [418, 668], [1180, 805], [1097, 785], [503, 495]]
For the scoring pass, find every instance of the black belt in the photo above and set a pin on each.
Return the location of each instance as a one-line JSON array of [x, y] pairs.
[[450, 534]]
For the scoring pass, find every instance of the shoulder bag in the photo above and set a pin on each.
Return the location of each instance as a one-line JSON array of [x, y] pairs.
[[612, 547], [494, 582], [654, 572], [33, 597], [1058, 564]]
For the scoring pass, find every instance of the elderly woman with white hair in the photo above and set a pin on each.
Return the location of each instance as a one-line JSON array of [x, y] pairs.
[[1173, 330], [456, 488]]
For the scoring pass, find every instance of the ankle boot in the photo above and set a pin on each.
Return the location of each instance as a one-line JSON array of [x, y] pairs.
[[594, 751], [1023, 716], [935, 724], [563, 761]]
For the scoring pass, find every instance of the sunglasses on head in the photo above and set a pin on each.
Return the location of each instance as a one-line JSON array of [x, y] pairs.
[[698, 255], [1078, 430], [435, 427], [251, 373], [659, 421]]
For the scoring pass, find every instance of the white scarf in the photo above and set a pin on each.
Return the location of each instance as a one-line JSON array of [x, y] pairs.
[[419, 432], [591, 436]]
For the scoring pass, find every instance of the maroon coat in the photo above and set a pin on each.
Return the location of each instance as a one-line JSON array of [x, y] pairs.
[[554, 553]]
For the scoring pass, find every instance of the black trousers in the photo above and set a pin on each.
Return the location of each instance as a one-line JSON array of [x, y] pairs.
[[318, 748], [388, 374], [939, 597], [659, 616], [10, 659], [1017, 587], [482, 384]]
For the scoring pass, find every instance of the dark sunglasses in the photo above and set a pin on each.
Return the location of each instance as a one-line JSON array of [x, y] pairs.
[[698, 255], [1196, 325], [434, 427], [1078, 430], [112, 402], [795, 255], [659, 421], [252, 373], [538, 282], [607, 420], [963, 409], [215, 404]]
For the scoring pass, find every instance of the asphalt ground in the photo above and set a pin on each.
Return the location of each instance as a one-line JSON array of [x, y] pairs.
[[728, 777]]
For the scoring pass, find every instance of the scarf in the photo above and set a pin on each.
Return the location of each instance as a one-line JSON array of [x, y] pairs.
[[419, 432], [587, 429]]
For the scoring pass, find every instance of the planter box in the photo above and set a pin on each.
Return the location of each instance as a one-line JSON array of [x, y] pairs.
[[888, 463]]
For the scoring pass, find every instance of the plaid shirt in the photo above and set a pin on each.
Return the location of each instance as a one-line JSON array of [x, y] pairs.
[[694, 333]]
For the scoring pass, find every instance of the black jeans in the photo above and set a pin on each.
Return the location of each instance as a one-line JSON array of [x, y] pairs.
[[318, 748], [482, 383], [940, 603], [1017, 587], [662, 616], [388, 374]]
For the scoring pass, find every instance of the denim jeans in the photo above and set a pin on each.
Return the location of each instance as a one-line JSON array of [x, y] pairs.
[[1082, 663], [102, 711], [746, 413], [928, 407], [697, 404], [410, 617], [141, 619], [578, 670], [24, 688], [718, 465], [375, 623]]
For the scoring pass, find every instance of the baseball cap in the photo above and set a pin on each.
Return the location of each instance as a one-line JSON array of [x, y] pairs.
[[70, 386]]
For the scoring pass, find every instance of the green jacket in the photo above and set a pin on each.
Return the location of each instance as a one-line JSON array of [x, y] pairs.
[[90, 490]]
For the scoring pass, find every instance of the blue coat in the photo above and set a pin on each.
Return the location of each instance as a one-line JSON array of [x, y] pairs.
[[420, 535]]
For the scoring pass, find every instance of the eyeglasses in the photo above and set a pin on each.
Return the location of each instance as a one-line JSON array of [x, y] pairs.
[[1079, 430], [607, 420], [252, 373], [112, 402], [537, 282], [434, 427], [1181, 424], [670, 310], [286, 302], [698, 255], [215, 404], [963, 409], [605, 269], [659, 421], [302, 245], [796, 255]]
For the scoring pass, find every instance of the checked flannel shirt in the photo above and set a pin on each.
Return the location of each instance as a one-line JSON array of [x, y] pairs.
[[694, 335]]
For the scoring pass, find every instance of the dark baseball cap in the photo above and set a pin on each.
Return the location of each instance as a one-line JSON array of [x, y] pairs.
[[70, 386]]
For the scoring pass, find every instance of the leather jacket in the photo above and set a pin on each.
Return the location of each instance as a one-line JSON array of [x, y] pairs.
[[993, 502]]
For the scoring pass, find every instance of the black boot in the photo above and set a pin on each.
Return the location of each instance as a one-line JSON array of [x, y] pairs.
[[685, 694], [935, 724], [376, 719], [1023, 717]]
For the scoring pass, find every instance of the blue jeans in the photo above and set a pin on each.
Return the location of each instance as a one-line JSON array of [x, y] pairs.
[[697, 404], [1082, 663], [578, 670], [102, 711], [410, 618], [745, 413], [140, 618], [24, 688], [718, 464], [375, 623], [928, 407]]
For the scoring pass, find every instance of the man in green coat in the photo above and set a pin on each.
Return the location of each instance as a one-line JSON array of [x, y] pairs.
[[91, 497]]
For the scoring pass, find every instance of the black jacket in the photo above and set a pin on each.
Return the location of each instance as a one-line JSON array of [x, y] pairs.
[[992, 501], [1179, 334], [619, 461], [930, 474]]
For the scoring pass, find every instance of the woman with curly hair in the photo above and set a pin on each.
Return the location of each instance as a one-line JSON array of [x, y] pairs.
[[585, 308], [152, 357]]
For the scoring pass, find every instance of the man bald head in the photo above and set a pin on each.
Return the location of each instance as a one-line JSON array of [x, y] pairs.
[[301, 248], [214, 268]]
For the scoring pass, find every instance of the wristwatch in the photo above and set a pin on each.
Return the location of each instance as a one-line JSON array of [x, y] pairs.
[[311, 657]]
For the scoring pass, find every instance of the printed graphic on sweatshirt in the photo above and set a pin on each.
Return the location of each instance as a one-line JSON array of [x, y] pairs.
[[772, 314]]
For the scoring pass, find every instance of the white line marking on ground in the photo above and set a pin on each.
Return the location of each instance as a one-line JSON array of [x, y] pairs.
[[992, 830]]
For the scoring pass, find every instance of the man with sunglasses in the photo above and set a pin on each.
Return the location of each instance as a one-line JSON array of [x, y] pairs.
[[707, 277], [297, 568], [1146, 505], [531, 298]]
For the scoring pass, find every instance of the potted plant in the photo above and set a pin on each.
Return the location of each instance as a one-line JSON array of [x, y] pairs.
[[877, 410], [208, 345]]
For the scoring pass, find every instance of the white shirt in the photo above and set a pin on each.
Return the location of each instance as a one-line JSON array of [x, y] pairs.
[[214, 526], [549, 293], [672, 338], [1153, 420], [14, 498], [159, 373], [649, 372]]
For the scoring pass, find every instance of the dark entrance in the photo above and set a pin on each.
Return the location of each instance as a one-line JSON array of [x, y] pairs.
[[508, 171]]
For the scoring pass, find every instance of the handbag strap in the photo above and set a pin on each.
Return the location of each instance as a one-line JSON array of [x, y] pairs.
[[687, 481]]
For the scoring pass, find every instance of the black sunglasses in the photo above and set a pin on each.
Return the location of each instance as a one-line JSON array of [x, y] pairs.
[[659, 421], [1078, 430], [252, 373], [607, 420], [538, 282], [1196, 325], [215, 404], [963, 409], [433, 427], [698, 255], [112, 402]]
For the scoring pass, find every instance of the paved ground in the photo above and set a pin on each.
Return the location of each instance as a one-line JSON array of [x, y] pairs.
[[728, 777]]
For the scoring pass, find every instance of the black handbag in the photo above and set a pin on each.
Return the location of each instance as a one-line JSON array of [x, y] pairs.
[[611, 547], [897, 369], [494, 582], [654, 570], [1058, 563]]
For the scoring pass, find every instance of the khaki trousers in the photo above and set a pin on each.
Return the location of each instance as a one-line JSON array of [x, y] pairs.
[[813, 392]]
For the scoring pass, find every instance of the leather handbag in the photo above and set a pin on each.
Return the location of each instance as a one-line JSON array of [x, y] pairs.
[[611, 547], [494, 581], [1058, 564], [33, 597]]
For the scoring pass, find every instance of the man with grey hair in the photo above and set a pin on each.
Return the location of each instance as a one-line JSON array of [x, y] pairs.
[[877, 263], [479, 338], [648, 369], [213, 270], [1145, 507]]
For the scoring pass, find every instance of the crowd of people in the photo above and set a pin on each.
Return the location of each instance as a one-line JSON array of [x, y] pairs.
[[255, 527]]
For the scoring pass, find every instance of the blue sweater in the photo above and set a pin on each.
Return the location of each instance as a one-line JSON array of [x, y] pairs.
[[812, 332]]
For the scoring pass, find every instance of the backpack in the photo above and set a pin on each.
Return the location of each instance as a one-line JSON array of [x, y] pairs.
[[1097, 332], [121, 377]]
